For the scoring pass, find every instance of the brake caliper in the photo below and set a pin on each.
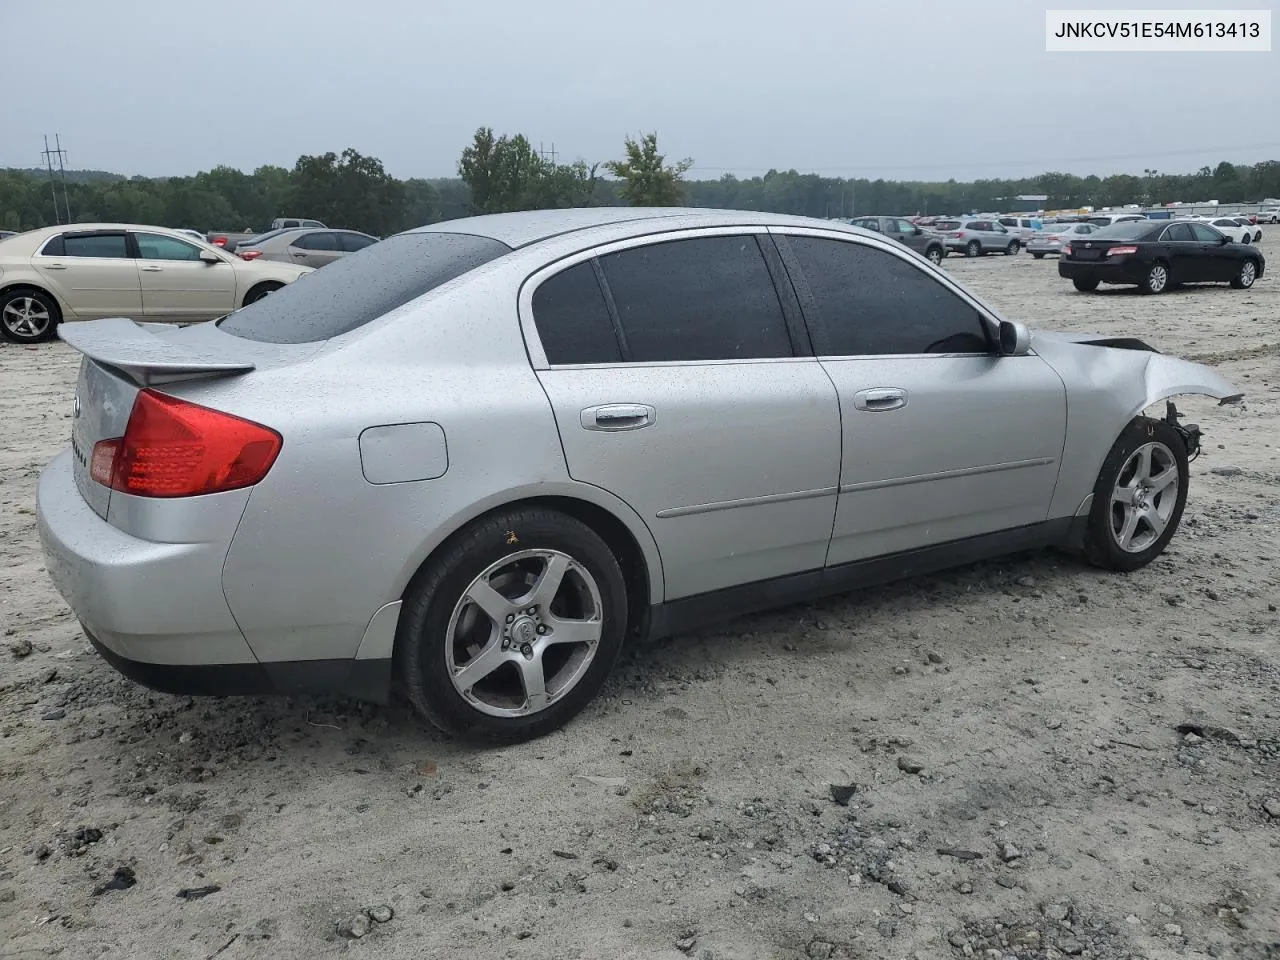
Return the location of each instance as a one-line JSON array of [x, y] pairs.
[[1190, 432]]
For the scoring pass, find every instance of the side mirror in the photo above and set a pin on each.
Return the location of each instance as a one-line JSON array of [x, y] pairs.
[[1224, 239], [1015, 340], [208, 256]]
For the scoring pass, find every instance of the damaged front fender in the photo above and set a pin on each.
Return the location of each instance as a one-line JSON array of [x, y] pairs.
[[1109, 382]]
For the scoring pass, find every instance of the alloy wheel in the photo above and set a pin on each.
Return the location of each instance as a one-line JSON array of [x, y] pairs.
[[524, 633], [26, 318], [1144, 497], [1158, 278], [1248, 273]]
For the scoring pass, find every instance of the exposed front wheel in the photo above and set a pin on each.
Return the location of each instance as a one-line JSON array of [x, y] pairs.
[[1248, 273], [935, 255], [513, 628], [260, 291], [28, 316], [1138, 497], [1157, 278], [1012, 249], [1085, 286]]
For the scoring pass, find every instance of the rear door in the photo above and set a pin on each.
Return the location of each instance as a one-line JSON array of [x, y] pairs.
[[315, 249], [942, 439], [177, 284], [94, 272], [680, 383]]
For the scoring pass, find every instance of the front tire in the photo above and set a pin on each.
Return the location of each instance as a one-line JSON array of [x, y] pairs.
[[1157, 278], [1139, 496], [935, 255], [28, 315], [1085, 286], [1248, 273], [513, 628], [261, 290], [1012, 249]]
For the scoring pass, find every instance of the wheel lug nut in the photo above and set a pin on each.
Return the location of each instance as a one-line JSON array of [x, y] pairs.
[[542, 628], [511, 618], [531, 611]]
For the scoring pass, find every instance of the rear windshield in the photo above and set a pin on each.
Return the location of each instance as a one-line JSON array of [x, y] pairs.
[[350, 292], [946, 224], [1126, 230]]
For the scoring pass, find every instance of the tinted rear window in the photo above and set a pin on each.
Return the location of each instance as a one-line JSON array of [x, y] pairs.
[[1128, 230], [354, 290]]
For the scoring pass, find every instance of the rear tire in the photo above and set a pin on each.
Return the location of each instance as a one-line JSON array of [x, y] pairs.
[[504, 559], [1157, 279], [1248, 273], [1085, 286], [28, 315], [1038, 256], [1139, 496], [972, 248]]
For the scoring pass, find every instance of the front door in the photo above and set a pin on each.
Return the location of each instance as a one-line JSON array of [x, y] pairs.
[[177, 284], [942, 439], [679, 385], [1213, 265], [93, 272]]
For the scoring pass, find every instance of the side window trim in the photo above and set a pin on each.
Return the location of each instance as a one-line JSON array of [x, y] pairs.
[[537, 276], [620, 334], [990, 318]]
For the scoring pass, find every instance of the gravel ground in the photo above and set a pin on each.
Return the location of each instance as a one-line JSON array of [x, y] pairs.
[[1023, 759]]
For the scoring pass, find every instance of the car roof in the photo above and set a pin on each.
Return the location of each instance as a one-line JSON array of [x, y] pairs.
[[531, 226]]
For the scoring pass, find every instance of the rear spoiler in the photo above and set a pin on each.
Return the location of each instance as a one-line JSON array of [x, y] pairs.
[[144, 356]]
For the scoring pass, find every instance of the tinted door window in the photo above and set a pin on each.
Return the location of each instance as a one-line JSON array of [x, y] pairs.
[[1009, 221], [1205, 233], [154, 246], [709, 298], [351, 242], [572, 318], [1179, 232], [111, 245], [868, 223], [316, 241], [871, 302], [904, 226]]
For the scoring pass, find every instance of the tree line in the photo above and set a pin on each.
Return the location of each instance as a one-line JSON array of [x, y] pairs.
[[502, 173]]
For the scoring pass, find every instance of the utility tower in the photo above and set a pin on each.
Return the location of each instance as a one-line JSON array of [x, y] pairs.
[[61, 154]]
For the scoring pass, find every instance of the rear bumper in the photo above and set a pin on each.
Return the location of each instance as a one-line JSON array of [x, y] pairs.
[[1126, 270], [156, 611]]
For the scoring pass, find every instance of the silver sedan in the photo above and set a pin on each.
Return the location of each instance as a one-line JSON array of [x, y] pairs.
[[473, 460], [1057, 236]]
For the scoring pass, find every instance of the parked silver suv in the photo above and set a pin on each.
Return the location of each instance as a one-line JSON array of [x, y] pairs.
[[974, 237]]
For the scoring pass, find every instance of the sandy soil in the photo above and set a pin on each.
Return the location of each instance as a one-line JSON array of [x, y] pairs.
[[689, 811]]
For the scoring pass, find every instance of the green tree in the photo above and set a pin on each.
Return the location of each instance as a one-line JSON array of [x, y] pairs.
[[351, 191], [647, 179], [506, 173]]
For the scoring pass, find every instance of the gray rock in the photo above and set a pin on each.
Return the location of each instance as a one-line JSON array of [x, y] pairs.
[[57, 713], [887, 928], [686, 943], [21, 648], [1008, 852], [934, 657], [820, 950], [1226, 471], [1007, 881], [1056, 911], [1071, 946], [964, 886], [1271, 806], [355, 927], [381, 913], [7, 896], [1026, 581], [910, 764], [1173, 929]]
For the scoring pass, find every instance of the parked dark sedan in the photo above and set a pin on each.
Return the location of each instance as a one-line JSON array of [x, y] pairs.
[[1157, 256]]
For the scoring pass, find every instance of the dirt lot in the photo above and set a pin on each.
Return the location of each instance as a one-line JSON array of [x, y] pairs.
[[690, 811]]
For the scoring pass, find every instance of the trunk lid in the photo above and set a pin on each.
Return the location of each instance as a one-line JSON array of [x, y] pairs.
[[121, 357]]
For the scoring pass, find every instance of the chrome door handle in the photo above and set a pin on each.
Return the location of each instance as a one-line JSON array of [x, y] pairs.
[[55, 266], [151, 269], [880, 398], [618, 416]]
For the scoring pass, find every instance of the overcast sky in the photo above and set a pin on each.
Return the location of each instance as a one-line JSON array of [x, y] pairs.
[[902, 89]]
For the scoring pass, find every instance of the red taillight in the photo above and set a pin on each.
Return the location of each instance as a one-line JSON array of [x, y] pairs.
[[173, 448], [957, 235], [1121, 251], [1066, 249], [219, 241], [249, 254]]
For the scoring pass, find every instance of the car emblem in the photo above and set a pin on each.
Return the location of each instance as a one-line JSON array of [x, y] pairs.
[[75, 406]]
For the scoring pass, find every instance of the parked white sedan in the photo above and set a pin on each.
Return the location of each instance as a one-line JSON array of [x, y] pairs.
[[88, 271]]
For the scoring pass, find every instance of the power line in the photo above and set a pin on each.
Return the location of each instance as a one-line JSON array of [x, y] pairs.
[[1012, 163]]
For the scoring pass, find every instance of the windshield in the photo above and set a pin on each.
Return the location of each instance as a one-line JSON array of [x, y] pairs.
[[361, 287]]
